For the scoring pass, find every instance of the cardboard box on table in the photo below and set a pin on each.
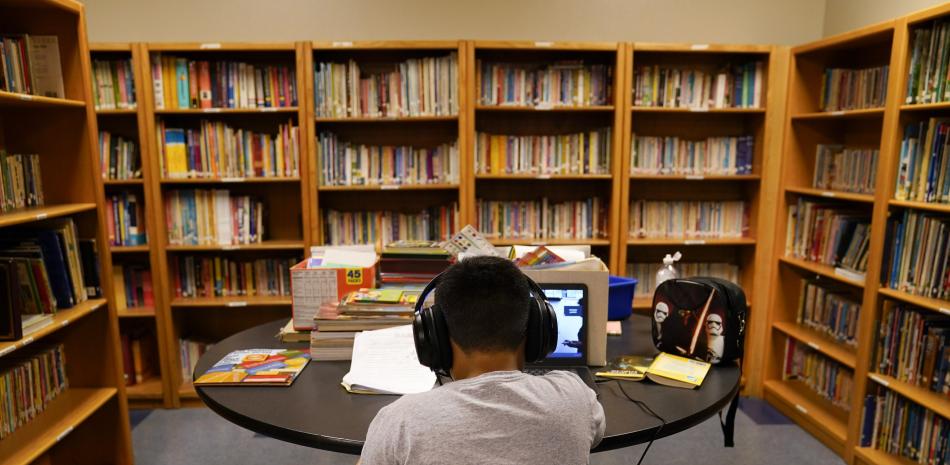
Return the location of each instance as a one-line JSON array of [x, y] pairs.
[[313, 287]]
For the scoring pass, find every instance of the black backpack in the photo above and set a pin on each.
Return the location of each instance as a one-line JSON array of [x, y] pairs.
[[702, 318]]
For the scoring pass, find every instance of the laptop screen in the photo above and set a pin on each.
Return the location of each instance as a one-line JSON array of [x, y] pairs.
[[570, 305]]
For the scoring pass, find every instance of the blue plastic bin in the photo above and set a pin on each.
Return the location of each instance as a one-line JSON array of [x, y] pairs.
[[620, 297]]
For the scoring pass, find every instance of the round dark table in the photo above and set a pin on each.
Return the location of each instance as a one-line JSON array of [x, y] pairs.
[[317, 412]]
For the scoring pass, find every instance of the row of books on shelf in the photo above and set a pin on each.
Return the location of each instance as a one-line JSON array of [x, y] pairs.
[[829, 234], [213, 217], [138, 356], [344, 163], [132, 285], [732, 86], [923, 170], [113, 84], [827, 378], [913, 346], [929, 61], [898, 426], [578, 153], [21, 182], [542, 219], [189, 351], [367, 227], [125, 219], [832, 313], [544, 85], [713, 219], [918, 261], [672, 155], [53, 268], [217, 276], [845, 169], [119, 157], [30, 64], [853, 89], [28, 384], [182, 83], [427, 86], [645, 273], [218, 150]]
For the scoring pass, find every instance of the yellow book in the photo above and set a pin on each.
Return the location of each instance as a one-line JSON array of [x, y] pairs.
[[676, 371], [494, 154]]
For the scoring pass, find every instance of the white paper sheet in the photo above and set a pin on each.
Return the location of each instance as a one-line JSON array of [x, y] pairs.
[[385, 362]]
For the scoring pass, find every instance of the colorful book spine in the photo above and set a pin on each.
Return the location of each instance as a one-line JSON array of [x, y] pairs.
[[217, 150], [136, 285], [181, 83], [21, 183], [929, 60], [923, 170], [645, 273], [672, 155], [913, 346], [919, 258], [213, 217], [30, 64], [217, 276], [577, 153], [369, 227], [113, 86], [732, 86], [828, 234], [118, 157], [189, 352], [853, 89], [898, 426], [344, 163], [126, 219], [542, 85], [425, 86], [28, 385], [139, 356], [542, 219], [829, 379], [828, 312], [845, 169], [688, 219]]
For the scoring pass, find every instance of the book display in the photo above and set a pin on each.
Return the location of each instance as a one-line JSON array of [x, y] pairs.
[[61, 379]]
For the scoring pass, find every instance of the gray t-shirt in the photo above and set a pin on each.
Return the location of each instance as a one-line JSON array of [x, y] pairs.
[[502, 417]]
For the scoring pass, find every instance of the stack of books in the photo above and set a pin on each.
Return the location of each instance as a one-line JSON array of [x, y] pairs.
[[213, 217], [126, 219], [828, 312], [21, 184], [829, 379], [714, 219], [853, 89], [830, 235], [737, 86], [133, 286], [578, 153], [28, 385], [113, 84], [181, 83], [845, 169], [901, 427], [336, 326], [923, 171], [914, 347], [413, 262], [119, 157], [929, 63], [645, 273], [919, 260], [675, 156], [565, 83], [138, 356], [31, 65], [208, 276], [368, 227], [542, 219], [345, 163]]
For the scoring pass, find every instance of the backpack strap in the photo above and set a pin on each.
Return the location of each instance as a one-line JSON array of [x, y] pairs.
[[729, 424]]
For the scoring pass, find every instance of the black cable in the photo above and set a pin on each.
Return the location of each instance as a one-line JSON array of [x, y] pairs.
[[646, 408]]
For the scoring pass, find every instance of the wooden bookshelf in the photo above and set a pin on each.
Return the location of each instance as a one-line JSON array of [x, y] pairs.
[[825, 421], [62, 131]]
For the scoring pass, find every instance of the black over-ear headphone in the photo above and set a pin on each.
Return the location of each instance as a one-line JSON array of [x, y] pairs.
[[431, 334]]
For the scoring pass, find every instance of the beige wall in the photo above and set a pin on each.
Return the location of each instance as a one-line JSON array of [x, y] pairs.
[[723, 21], [845, 15]]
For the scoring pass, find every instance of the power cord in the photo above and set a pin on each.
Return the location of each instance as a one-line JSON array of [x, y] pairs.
[[646, 408]]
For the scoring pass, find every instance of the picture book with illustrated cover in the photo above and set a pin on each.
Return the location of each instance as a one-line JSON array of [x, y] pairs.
[[257, 367]]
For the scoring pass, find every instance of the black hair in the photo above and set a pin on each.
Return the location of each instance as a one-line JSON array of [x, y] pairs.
[[485, 301]]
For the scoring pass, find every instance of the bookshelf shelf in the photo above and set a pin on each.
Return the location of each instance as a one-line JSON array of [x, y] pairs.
[[392, 119], [136, 312], [129, 249], [937, 305], [819, 269], [61, 319], [63, 415], [871, 456], [929, 399], [265, 245], [840, 115], [212, 47], [150, 389], [498, 108], [680, 241], [725, 111], [259, 180], [819, 342], [13, 99], [506, 241], [29, 215], [817, 415], [929, 206], [187, 390], [917, 107], [124, 111], [543, 177], [642, 303], [231, 302], [836, 195], [390, 187], [695, 177], [227, 111], [123, 182]]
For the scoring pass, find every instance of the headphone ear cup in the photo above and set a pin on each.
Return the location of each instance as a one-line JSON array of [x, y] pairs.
[[534, 335], [549, 328], [422, 336], [443, 347]]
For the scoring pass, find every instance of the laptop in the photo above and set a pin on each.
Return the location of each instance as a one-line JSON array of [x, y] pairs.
[[570, 305]]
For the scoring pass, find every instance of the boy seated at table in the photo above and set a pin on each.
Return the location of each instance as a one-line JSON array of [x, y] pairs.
[[492, 413]]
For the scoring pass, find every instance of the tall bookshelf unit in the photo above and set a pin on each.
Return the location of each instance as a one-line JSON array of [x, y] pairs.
[[422, 131], [132, 124], [286, 206], [63, 132]]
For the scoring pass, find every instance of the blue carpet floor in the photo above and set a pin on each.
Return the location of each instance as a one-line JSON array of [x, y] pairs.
[[198, 436]]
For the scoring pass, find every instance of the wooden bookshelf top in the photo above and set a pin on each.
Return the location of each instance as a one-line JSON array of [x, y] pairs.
[[545, 45], [266, 245], [928, 14], [699, 48], [386, 45], [829, 194], [65, 413], [123, 182], [840, 114], [220, 46], [512, 241], [819, 342], [806, 404], [925, 397], [128, 248], [877, 457], [929, 206], [937, 305], [911, 107], [736, 111], [262, 179], [695, 177], [13, 99], [390, 187], [544, 177], [95, 47], [65, 5], [150, 389], [874, 33], [214, 111], [61, 319], [821, 270], [384, 119], [29, 215], [253, 301], [122, 111], [561, 108], [136, 312], [654, 241]]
